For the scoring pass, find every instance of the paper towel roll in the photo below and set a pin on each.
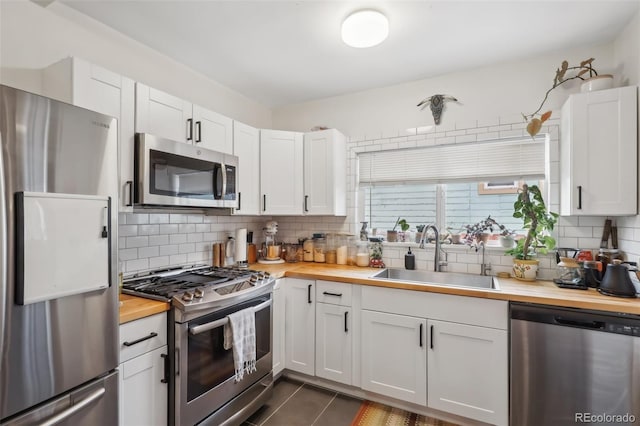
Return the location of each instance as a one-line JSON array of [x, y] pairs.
[[241, 245]]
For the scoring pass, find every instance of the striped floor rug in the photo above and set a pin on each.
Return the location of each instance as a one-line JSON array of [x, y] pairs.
[[374, 414]]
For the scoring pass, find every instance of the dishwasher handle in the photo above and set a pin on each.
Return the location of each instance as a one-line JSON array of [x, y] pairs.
[[593, 325]]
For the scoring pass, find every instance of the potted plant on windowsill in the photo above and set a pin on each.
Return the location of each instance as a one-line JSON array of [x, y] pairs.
[[480, 232], [530, 207]]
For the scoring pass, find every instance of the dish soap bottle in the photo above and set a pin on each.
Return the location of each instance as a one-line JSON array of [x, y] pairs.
[[409, 260]]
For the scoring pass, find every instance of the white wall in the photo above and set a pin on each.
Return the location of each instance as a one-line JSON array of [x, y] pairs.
[[627, 61], [32, 37], [501, 90]]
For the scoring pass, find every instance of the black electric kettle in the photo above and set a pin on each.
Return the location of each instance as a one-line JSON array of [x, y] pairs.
[[616, 281]]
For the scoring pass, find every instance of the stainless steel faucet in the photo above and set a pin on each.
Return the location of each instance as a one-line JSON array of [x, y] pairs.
[[483, 266], [436, 256]]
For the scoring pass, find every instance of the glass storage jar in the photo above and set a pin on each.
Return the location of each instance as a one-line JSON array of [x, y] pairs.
[[342, 250], [307, 248], [362, 254], [319, 250]]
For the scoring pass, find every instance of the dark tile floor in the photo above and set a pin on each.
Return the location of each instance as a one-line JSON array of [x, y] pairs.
[[300, 404]]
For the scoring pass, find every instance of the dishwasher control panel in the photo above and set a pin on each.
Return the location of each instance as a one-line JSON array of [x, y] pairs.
[[629, 330]]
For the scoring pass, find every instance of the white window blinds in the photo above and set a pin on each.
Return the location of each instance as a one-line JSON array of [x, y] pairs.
[[476, 161]]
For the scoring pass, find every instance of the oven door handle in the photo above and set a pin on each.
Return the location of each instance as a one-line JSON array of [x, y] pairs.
[[195, 330]]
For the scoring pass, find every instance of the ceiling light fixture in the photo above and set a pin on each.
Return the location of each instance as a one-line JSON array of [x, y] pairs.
[[365, 28]]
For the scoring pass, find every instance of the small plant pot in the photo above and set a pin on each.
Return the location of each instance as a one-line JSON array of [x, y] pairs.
[[599, 82], [392, 236], [507, 241], [418, 237], [455, 238], [525, 270]]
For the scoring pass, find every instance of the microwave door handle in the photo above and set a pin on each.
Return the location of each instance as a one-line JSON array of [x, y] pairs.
[[224, 181], [195, 330]]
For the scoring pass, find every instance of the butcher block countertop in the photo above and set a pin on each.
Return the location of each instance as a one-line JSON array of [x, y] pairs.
[[133, 308], [542, 292]]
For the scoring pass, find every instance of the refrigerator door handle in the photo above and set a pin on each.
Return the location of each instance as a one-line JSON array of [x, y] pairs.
[[63, 415], [3, 250]]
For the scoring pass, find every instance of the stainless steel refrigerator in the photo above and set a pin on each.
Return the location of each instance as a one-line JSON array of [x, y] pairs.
[[58, 261]]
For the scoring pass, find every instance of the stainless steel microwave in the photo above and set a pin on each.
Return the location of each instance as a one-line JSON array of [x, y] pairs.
[[170, 173]]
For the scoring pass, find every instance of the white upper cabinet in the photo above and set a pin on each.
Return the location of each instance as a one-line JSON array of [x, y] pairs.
[[170, 117], [598, 153], [325, 169], [78, 82], [281, 158], [246, 146], [162, 114], [212, 130]]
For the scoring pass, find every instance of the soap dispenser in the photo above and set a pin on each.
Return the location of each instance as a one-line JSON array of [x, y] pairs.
[[409, 260]]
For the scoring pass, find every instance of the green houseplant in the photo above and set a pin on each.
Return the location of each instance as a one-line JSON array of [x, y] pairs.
[[530, 207]]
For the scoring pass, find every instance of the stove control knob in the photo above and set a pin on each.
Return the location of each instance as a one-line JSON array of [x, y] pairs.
[[187, 296], [253, 279], [199, 293]]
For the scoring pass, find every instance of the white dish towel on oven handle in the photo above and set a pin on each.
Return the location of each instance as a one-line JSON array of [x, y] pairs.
[[240, 334]]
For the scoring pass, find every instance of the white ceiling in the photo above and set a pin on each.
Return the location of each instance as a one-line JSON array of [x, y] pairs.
[[284, 52]]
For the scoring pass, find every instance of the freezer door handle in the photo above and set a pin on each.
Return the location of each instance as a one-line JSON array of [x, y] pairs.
[[63, 415]]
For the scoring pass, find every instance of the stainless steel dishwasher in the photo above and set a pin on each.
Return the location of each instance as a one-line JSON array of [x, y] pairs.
[[573, 366]]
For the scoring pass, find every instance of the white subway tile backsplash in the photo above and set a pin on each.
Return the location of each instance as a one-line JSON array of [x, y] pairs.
[[158, 262], [128, 230], [136, 265], [192, 218], [178, 259], [169, 228], [158, 240], [137, 242], [178, 218], [158, 218], [177, 238], [186, 248], [137, 218], [203, 227], [169, 249], [185, 228], [148, 229], [128, 254], [144, 252], [194, 238]]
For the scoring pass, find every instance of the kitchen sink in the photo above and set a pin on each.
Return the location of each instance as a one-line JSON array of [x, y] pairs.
[[438, 278]]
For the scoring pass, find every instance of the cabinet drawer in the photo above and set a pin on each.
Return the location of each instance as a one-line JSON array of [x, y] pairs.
[[142, 331], [333, 293]]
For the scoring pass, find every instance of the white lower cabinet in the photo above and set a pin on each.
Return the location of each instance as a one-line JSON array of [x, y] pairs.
[[278, 313], [334, 342], [300, 316], [394, 356], [467, 371], [143, 396]]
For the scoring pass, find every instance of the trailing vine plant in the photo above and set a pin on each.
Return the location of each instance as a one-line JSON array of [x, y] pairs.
[[534, 123]]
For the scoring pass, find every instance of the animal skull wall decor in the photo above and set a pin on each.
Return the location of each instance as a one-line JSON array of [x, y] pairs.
[[436, 103]]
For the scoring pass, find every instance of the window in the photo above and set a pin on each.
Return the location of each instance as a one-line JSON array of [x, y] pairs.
[[449, 185]]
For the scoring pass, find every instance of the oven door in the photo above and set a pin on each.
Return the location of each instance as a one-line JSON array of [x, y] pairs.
[[177, 174], [205, 379]]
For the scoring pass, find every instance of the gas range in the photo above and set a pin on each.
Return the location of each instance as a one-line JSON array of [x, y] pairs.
[[199, 286]]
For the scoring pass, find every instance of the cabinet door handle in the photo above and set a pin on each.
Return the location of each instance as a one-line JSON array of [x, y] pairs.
[[309, 293], [328, 293], [189, 129], [346, 325], [165, 379], [142, 339], [579, 197], [198, 132], [306, 203], [264, 202], [130, 185], [431, 337], [421, 335]]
